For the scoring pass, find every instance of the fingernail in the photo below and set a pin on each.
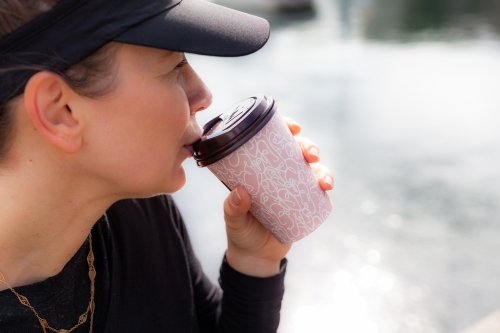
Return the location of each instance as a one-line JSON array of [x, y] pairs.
[[235, 197], [314, 151], [329, 180]]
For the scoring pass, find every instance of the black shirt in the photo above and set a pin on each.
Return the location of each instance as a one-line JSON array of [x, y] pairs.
[[148, 280]]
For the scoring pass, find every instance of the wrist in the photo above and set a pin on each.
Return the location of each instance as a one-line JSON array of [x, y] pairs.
[[252, 265]]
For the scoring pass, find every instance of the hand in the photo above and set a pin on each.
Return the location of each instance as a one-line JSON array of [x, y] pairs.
[[252, 249], [311, 153]]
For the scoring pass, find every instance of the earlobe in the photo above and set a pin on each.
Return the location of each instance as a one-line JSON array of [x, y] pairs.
[[47, 100]]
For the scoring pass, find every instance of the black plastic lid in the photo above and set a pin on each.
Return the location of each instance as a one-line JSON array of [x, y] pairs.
[[230, 130]]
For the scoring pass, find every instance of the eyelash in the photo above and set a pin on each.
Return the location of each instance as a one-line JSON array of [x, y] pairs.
[[181, 64]]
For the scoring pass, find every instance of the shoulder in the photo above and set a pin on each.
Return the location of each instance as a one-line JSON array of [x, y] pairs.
[[151, 269]]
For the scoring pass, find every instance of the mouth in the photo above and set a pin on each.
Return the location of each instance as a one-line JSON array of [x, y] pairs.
[[189, 146], [190, 149]]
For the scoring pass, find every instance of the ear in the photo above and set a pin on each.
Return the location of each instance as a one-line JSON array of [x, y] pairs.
[[47, 99]]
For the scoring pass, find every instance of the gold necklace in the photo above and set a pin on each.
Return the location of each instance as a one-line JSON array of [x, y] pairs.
[[83, 317]]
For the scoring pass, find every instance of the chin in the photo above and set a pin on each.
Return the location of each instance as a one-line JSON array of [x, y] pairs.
[[177, 182]]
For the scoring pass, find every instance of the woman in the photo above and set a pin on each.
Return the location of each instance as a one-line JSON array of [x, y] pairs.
[[98, 107]]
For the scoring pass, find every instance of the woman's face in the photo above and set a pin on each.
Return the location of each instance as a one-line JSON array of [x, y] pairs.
[[139, 135]]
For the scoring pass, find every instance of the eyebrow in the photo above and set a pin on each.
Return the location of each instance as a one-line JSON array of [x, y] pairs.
[[167, 53], [160, 61]]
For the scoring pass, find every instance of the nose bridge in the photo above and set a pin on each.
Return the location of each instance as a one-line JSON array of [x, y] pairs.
[[199, 96]]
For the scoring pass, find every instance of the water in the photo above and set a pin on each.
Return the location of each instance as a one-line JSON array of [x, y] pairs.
[[408, 122]]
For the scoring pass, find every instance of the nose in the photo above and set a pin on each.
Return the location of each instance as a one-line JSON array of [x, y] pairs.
[[199, 96]]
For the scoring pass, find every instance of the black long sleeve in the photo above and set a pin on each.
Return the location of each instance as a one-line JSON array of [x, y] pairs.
[[148, 280], [250, 304], [178, 297], [247, 304]]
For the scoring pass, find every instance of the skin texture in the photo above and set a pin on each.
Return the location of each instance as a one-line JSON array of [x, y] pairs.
[[74, 156]]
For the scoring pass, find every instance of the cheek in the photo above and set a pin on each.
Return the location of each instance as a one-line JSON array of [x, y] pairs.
[[173, 121], [137, 139]]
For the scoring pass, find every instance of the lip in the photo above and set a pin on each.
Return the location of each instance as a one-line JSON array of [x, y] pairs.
[[189, 146]]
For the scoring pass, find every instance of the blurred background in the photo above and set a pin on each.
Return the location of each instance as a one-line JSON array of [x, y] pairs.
[[402, 97]]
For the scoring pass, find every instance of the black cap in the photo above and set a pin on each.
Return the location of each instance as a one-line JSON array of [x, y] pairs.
[[73, 29]]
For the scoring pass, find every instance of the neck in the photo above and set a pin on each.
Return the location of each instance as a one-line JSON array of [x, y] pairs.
[[44, 220]]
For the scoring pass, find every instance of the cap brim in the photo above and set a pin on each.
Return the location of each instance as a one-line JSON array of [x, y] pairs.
[[201, 27]]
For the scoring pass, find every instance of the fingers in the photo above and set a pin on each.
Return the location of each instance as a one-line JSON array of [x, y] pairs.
[[311, 153], [236, 207], [324, 176], [309, 149], [293, 125]]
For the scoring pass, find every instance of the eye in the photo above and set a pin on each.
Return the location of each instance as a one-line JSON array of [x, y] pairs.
[[183, 63]]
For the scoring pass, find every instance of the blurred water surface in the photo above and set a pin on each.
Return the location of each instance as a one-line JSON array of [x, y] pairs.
[[406, 115]]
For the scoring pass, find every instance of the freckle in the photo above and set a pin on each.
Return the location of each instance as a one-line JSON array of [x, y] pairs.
[[30, 160]]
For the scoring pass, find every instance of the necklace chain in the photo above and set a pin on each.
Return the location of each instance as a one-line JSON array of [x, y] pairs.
[[83, 317]]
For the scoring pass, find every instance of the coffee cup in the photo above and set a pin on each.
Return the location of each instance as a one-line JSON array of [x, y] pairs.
[[251, 145]]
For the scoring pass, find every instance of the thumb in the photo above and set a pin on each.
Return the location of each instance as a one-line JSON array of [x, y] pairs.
[[236, 207]]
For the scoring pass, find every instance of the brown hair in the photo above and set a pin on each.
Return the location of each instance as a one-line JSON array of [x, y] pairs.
[[92, 77]]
